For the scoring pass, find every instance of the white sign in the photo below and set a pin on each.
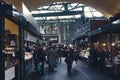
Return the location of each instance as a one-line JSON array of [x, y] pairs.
[[30, 37], [10, 73], [52, 39]]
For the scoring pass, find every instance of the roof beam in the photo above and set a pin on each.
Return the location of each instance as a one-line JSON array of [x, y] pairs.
[[114, 18], [72, 8], [65, 13], [60, 20]]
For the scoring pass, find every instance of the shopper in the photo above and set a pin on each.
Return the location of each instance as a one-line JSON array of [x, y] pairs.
[[51, 56], [101, 59], [69, 59], [75, 55], [35, 58], [94, 56], [41, 59]]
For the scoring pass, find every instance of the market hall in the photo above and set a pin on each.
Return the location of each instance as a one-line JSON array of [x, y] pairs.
[[22, 31]]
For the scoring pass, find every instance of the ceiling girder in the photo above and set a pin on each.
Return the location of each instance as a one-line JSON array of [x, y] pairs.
[[65, 13]]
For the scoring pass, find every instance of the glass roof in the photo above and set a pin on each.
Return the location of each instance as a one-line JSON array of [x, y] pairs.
[[66, 6]]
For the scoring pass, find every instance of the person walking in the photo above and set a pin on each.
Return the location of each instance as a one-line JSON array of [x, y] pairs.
[[51, 56], [94, 56], [41, 59], [75, 56], [35, 58], [69, 59], [101, 59]]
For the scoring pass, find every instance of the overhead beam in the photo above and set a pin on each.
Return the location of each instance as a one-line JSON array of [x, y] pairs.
[[65, 6], [114, 18], [65, 13], [56, 20], [68, 19]]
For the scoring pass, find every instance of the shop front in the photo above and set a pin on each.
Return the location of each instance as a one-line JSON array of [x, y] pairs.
[[11, 44], [109, 38], [11, 47], [8, 44], [13, 58]]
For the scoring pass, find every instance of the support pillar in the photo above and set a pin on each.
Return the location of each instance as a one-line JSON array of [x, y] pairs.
[[2, 55], [110, 39], [21, 50], [77, 44], [65, 34], [59, 34]]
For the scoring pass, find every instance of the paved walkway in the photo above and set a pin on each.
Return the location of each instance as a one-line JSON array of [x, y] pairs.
[[82, 73]]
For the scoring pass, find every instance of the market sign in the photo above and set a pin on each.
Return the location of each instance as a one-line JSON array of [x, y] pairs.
[[29, 37], [53, 39]]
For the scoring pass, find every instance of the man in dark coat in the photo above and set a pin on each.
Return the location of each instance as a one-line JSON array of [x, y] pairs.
[[69, 59], [101, 61], [41, 58], [94, 56]]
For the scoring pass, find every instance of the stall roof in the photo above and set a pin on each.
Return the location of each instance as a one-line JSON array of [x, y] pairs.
[[108, 28], [109, 8]]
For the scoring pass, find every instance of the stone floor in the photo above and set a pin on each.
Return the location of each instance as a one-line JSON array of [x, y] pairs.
[[83, 72]]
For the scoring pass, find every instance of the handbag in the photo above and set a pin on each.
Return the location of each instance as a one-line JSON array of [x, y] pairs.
[[74, 65], [55, 63], [39, 66]]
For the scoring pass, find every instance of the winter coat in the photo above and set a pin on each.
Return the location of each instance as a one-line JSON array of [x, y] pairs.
[[51, 55], [69, 57], [40, 56]]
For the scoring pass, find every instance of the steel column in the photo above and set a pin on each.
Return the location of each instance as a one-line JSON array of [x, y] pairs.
[[2, 56], [21, 51]]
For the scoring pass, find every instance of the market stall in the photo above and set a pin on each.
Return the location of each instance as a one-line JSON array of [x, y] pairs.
[[11, 47], [109, 38]]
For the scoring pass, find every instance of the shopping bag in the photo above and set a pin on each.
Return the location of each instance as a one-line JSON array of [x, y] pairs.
[[55, 63], [74, 65], [39, 66]]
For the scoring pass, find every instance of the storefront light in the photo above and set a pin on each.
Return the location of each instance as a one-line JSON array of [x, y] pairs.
[[104, 44], [113, 44], [70, 45], [99, 29], [64, 45]]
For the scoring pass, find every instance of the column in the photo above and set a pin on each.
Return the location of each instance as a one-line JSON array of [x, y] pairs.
[[21, 51], [2, 56], [110, 45], [59, 34], [65, 34]]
